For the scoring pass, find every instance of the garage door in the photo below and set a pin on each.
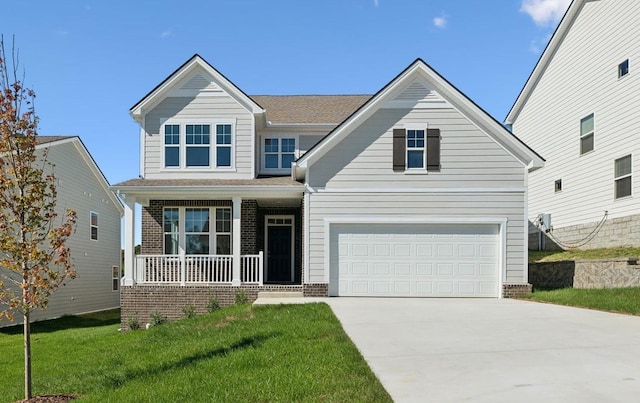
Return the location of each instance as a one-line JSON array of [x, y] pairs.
[[411, 260]]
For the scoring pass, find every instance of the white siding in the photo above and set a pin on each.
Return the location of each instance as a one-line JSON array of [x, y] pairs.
[[306, 138], [469, 158], [582, 78], [419, 205], [214, 108], [79, 190]]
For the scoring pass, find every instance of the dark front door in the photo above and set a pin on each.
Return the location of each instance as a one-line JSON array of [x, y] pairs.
[[279, 254]]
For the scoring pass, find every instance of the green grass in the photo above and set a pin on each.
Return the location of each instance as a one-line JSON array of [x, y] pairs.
[[576, 254], [240, 353], [622, 300]]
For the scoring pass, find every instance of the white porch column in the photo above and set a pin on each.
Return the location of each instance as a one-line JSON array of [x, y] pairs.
[[236, 235], [129, 242]]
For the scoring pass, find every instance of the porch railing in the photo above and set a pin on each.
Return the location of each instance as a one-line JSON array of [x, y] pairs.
[[201, 269]]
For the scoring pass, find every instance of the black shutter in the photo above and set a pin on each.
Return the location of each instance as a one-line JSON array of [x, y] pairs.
[[399, 150], [433, 149]]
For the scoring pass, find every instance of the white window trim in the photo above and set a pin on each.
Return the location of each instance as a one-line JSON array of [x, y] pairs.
[[212, 144], [591, 133], [263, 155], [617, 178], [91, 226], [182, 234], [415, 126]]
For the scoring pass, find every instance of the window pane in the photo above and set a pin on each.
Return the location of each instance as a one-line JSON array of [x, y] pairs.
[[171, 156], [223, 245], [94, 218], [223, 129], [271, 145], [415, 159], [198, 134], [623, 166], [271, 161], [223, 134], [223, 156], [223, 220], [170, 244], [196, 220], [288, 145], [623, 187], [586, 125], [94, 233], [586, 144], [197, 244], [287, 159], [623, 68], [197, 156], [171, 220], [172, 134]]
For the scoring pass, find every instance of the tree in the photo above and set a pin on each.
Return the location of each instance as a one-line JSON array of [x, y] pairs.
[[34, 258]]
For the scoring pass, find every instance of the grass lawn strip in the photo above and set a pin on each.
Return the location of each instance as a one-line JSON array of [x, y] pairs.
[[270, 353], [620, 300], [576, 254]]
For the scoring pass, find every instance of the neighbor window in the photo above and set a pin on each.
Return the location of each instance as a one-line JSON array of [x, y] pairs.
[[415, 148], [623, 177], [279, 153], [558, 185], [586, 134], [223, 145], [115, 275], [192, 227], [623, 68], [94, 226], [171, 145], [198, 139]]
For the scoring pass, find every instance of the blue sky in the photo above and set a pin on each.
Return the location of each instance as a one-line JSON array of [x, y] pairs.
[[90, 61]]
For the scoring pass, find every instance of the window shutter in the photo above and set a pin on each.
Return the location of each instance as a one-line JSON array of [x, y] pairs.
[[433, 149], [399, 150]]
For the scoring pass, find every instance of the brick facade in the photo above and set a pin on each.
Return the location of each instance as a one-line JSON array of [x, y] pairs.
[[316, 290], [515, 290], [623, 231]]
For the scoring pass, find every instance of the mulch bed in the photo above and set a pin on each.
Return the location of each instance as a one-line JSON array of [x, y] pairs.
[[50, 399]]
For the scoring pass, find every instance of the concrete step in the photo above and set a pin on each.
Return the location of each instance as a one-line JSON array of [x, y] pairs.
[[280, 294]]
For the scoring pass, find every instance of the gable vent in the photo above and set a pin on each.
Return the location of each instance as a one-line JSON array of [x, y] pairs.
[[415, 90], [198, 82]]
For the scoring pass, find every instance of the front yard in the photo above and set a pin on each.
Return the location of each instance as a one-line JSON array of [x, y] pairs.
[[621, 300], [240, 353]]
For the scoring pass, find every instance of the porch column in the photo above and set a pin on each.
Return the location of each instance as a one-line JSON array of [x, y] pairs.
[[129, 242], [236, 235]]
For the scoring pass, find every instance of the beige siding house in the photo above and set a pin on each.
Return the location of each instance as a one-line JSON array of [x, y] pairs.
[[578, 110], [95, 245], [413, 191]]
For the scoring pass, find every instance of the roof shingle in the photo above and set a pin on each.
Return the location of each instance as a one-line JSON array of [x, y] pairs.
[[309, 109]]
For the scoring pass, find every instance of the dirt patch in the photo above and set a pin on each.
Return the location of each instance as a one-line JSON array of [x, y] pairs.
[[49, 399]]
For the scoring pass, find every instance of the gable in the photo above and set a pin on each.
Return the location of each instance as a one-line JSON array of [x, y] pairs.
[[196, 83], [418, 93]]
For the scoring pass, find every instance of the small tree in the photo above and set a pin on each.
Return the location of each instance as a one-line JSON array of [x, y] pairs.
[[34, 258]]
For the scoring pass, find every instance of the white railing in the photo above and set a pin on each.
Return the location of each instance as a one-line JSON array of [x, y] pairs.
[[180, 269], [251, 269]]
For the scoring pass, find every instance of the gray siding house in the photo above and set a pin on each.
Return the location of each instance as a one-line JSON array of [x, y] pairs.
[[95, 245], [578, 109], [414, 191]]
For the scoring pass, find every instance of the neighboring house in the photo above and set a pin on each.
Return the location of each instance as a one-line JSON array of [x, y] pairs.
[[95, 245], [414, 191], [579, 110]]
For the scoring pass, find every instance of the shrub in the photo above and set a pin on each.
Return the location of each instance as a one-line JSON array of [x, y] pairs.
[[213, 304], [241, 297], [157, 319], [189, 311], [133, 322]]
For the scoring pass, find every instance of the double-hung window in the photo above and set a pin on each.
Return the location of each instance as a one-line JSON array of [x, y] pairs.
[[94, 226], [115, 278], [622, 167], [223, 145], [586, 134], [171, 146], [191, 230], [415, 148], [198, 145], [279, 153], [198, 139]]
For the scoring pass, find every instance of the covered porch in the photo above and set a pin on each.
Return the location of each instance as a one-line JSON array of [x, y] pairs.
[[237, 233]]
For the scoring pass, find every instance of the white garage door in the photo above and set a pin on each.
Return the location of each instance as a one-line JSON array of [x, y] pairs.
[[411, 260]]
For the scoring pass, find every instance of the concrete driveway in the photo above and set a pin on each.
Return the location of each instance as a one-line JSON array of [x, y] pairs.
[[488, 350]]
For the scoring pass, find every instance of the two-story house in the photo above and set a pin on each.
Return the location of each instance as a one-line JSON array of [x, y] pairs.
[[578, 109], [413, 191]]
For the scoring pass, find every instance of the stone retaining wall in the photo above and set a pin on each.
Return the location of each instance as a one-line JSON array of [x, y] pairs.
[[603, 273]]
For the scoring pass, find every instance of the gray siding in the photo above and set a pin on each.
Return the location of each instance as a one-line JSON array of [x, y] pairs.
[[581, 79], [200, 109], [419, 205], [79, 190], [469, 158]]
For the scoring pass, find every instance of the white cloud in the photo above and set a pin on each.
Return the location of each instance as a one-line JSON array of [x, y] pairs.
[[545, 12], [376, 3], [166, 34], [440, 22]]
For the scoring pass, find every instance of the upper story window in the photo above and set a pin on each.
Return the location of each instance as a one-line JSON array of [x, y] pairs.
[[623, 68], [195, 148], [94, 226], [278, 153], [415, 149], [586, 134], [622, 167]]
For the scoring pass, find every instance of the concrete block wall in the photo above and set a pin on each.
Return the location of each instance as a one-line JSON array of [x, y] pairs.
[[601, 273]]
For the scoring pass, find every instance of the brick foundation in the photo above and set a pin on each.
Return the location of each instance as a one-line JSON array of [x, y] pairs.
[[316, 290], [515, 290]]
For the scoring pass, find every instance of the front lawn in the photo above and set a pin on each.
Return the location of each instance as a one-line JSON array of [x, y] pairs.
[[623, 300], [576, 254], [240, 353]]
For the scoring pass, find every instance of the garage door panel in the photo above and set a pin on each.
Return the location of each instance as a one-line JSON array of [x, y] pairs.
[[415, 260]]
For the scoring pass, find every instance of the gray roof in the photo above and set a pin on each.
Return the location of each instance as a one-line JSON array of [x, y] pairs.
[[309, 109], [51, 139], [267, 181]]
